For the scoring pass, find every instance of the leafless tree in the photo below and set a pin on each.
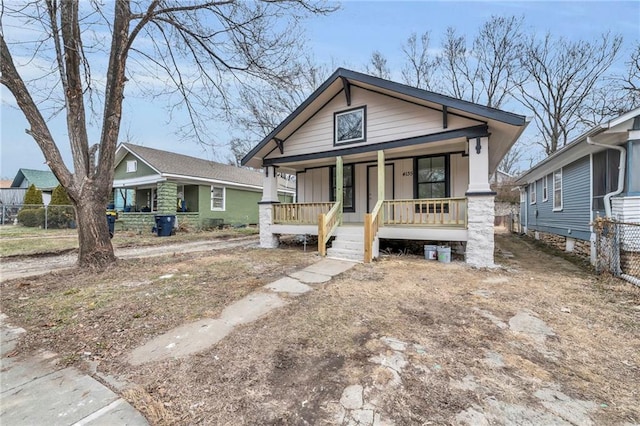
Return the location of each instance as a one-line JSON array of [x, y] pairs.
[[511, 161], [263, 105], [615, 94], [485, 73], [192, 52], [377, 66], [420, 65], [560, 76]]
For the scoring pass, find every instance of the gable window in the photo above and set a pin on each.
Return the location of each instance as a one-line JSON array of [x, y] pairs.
[[132, 166], [545, 190], [349, 126], [532, 193], [217, 198], [432, 177], [348, 192], [557, 190]]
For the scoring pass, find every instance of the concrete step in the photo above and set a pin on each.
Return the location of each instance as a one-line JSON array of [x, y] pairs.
[[349, 231], [342, 243], [345, 255]]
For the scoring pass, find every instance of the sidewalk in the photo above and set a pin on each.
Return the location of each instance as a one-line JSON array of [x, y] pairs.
[[34, 391]]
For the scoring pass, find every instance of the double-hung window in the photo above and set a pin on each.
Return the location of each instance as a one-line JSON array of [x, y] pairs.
[[132, 166], [432, 178], [557, 190], [217, 198], [532, 193], [545, 190]]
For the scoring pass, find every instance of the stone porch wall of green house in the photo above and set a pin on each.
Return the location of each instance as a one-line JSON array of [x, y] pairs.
[[144, 222], [167, 197], [120, 172]]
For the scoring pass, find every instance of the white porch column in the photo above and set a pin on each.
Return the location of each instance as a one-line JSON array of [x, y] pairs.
[[480, 206], [381, 177], [265, 207]]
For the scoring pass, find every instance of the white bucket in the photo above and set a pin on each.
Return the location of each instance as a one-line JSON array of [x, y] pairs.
[[444, 254], [430, 252]]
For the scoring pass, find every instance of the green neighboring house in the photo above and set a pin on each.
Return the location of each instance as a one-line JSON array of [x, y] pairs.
[[199, 192], [44, 180]]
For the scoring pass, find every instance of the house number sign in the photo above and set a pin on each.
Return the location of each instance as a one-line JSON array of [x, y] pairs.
[[409, 173]]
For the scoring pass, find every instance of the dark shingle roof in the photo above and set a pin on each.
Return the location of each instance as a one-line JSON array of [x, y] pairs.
[[166, 162], [42, 179]]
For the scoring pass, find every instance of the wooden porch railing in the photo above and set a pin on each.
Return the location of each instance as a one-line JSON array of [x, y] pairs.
[[430, 211], [299, 213], [327, 224], [372, 223]]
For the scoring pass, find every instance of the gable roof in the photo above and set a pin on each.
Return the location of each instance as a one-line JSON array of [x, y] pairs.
[[42, 179], [176, 165], [342, 78], [613, 132]]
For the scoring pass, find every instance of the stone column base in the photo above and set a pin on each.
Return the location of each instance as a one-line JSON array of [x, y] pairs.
[[267, 239], [480, 242]]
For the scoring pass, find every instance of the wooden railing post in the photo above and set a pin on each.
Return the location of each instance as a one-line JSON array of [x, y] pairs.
[[322, 246], [368, 239]]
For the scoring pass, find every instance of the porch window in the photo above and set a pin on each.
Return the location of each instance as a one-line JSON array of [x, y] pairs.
[[545, 191], [432, 177], [348, 192], [132, 166], [217, 198], [349, 126], [605, 176], [557, 190]]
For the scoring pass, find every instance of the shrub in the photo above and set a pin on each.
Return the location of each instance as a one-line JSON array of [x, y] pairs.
[[59, 197], [31, 217], [58, 217], [33, 197]]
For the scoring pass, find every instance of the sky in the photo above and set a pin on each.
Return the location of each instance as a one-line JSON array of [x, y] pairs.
[[345, 38]]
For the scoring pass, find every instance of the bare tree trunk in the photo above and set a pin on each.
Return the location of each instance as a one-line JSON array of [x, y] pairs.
[[93, 233]]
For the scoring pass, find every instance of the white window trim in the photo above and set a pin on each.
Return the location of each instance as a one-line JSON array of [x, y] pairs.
[[545, 188], [132, 166], [224, 199], [555, 208], [532, 192], [362, 138]]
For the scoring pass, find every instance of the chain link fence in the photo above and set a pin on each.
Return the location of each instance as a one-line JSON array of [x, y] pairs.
[[618, 248], [38, 216]]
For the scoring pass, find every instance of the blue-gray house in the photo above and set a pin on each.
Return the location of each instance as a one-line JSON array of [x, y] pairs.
[[597, 174]]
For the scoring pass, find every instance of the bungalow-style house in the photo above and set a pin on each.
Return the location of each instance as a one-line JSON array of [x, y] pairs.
[[199, 192], [597, 174], [44, 180], [375, 159]]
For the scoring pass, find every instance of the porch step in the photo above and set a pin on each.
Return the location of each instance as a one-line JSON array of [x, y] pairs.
[[348, 244]]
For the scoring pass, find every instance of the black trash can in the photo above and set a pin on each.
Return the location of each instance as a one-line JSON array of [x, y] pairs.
[[165, 224], [111, 222]]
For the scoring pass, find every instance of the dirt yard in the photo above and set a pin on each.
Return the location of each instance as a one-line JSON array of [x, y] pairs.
[[401, 341]]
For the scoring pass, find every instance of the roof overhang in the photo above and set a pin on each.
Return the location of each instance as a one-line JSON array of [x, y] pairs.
[[615, 132], [504, 127]]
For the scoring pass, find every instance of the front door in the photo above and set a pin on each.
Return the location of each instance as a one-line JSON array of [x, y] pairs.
[[372, 185]]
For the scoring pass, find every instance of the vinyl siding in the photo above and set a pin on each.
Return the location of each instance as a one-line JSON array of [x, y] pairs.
[[121, 169], [574, 218], [387, 119]]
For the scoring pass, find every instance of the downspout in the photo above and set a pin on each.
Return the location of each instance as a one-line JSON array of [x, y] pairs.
[[621, 172]]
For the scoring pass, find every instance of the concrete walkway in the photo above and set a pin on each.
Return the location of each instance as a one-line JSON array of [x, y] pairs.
[[200, 335], [34, 391]]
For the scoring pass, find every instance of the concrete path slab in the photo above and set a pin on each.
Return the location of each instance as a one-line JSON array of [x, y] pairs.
[[330, 267], [251, 307], [288, 285], [310, 277], [181, 341], [63, 397]]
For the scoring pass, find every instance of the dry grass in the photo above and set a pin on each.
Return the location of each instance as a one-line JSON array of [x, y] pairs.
[[288, 367]]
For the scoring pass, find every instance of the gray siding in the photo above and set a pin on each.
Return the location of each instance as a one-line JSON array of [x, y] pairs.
[[574, 218]]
